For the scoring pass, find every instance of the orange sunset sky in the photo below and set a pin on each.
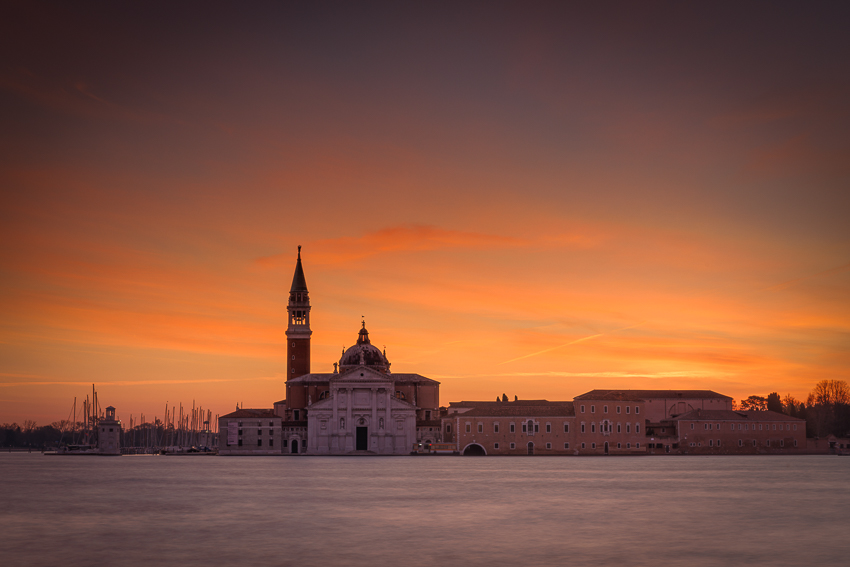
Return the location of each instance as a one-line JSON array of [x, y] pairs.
[[521, 198]]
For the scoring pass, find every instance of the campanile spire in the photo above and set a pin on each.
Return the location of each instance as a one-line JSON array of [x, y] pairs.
[[298, 331]]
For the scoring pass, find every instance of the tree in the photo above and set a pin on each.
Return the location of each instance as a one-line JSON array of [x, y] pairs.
[[828, 408], [758, 403], [830, 392], [791, 405], [774, 403]]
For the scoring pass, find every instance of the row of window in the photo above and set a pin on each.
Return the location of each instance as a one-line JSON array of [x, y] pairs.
[[716, 443], [746, 426], [285, 443], [605, 409], [530, 427], [567, 445], [608, 427]]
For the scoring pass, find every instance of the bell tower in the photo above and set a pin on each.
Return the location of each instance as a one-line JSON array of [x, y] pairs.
[[298, 332]]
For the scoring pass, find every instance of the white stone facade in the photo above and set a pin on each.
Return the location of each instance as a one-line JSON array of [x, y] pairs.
[[361, 414]]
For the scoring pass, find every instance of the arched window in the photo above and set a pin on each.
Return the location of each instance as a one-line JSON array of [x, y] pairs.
[[530, 427]]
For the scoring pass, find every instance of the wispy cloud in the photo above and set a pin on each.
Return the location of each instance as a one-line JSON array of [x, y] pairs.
[[783, 285], [582, 339], [402, 238]]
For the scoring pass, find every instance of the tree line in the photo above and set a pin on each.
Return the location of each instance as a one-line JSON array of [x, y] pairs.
[[826, 409]]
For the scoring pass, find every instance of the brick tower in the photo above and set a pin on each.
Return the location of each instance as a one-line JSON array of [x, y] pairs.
[[298, 332]]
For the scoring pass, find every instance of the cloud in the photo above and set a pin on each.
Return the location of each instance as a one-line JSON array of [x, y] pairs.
[[783, 285], [402, 238]]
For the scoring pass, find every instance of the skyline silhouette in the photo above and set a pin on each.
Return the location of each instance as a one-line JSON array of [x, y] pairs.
[[538, 200]]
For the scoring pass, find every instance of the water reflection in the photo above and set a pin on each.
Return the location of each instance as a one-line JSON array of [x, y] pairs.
[[424, 511]]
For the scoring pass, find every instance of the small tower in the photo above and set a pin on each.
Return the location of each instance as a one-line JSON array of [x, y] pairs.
[[298, 332], [109, 434]]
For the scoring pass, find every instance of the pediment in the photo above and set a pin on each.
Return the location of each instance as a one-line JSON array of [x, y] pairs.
[[360, 375]]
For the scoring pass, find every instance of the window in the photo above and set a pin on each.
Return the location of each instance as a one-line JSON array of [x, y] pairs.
[[566, 427], [628, 445], [718, 442], [480, 428], [619, 445], [582, 445], [604, 409], [774, 427], [780, 427], [637, 427], [524, 428], [495, 428], [582, 427], [692, 426], [593, 428], [495, 445], [285, 443], [711, 442], [513, 429], [795, 427], [795, 441], [566, 445], [427, 415], [637, 410], [271, 442], [592, 409], [759, 426], [271, 424], [754, 442], [548, 445], [628, 409], [593, 445], [628, 428], [618, 428], [582, 409], [548, 428], [618, 409], [536, 427], [513, 445], [448, 428], [240, 432], [637, 445], [768, 443], [469, 428], [240, 442], [297, 415], [740, 442]]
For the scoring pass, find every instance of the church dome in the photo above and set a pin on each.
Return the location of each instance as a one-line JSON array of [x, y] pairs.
[[364, 353]]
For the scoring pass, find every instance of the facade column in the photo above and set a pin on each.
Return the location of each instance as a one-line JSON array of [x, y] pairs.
[[374, 429], [349, 422]]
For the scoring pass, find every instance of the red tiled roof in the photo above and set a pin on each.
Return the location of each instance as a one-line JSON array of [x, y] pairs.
[[634, 395], [251, 413], [725, 415], [519, 409], [490, 404]]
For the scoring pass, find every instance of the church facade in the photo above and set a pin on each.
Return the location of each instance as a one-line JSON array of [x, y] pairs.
[[362, 407]]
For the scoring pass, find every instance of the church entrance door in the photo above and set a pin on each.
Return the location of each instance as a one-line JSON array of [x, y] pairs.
[[294, 445], [362, 438]]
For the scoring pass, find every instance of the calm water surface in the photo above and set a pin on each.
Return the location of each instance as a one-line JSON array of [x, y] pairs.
[[305, 511]]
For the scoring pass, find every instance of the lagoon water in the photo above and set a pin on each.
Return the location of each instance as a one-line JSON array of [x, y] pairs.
[[417, 511]]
